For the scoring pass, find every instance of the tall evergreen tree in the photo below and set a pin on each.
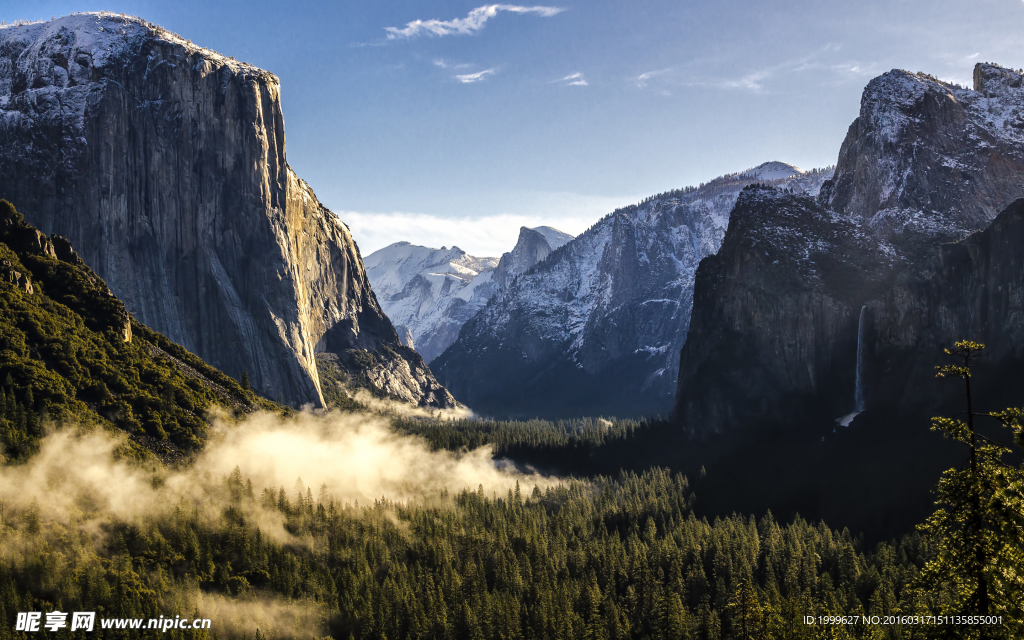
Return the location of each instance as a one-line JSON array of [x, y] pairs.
[[976, 530]]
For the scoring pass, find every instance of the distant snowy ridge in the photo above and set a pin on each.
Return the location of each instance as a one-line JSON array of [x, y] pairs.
[[605, 313], [430, 293], [554, 237], [773, 171]]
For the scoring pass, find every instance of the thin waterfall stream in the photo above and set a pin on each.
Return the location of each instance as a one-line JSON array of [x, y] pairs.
[[858, 389], [858, 393]]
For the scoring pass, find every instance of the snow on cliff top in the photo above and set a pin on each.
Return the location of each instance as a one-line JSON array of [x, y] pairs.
[[554, 237], [103, 36], [773, 171], [892, 100], [391, 268]]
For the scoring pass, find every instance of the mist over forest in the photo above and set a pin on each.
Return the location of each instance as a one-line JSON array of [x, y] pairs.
[[782, 403]]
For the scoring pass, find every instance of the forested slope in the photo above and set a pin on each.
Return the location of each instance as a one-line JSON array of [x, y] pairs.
[[69, 351]]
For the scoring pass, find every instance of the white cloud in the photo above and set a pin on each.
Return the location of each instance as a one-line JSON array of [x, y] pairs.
[[445, 64], [751, 81], [574, 80], [488, 235], [473, 22], [641, 80], [755, 81], [853, 68], [467, 78]]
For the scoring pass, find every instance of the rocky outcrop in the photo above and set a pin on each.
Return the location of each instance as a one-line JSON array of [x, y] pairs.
[[925, 164], [405, 336], [533, 246], [596, 327], [20, 280], [775, 315], [927, 161], [165, 164], [973, 290]]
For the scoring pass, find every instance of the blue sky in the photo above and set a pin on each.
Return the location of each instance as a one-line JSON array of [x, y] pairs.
[[455, 122]]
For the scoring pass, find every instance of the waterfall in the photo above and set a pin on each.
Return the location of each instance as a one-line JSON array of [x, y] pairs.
[[858, 394]]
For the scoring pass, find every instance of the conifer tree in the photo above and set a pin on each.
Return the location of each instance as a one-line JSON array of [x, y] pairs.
[[977, 529]]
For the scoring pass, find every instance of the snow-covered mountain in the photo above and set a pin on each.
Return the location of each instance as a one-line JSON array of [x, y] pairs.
[[533, 246], [164, 163], [597, 326], [430, 293], [927, 160], [812, 310]]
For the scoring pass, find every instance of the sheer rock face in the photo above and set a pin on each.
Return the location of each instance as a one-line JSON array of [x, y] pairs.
[[771, 308], [926, 163], [596, 327], [972, 289], [165, 165], [533, 246]]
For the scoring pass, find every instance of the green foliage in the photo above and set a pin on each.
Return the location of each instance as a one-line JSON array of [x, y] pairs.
[[335, 383], [978, 529], [605, 559], [63, 356], [510, 436], [609, 558]]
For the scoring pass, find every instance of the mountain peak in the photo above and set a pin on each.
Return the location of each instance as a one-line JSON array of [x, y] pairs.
[[554, 237], [916, 132], [992, 79], [428, 293], [773, 170], [101, 36], [71, 87]]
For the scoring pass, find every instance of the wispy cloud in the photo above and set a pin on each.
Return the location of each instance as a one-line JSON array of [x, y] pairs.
[[446, 64], [574, 80], [467, 78], [751, 81], [853, 68], [756, 80], [641, 80], [473, 22]]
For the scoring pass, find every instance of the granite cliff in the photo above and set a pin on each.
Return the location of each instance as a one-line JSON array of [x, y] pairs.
[[165, 164], [774, 338], [532, 246], [928, 161], [776, 312], [972, 289]]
